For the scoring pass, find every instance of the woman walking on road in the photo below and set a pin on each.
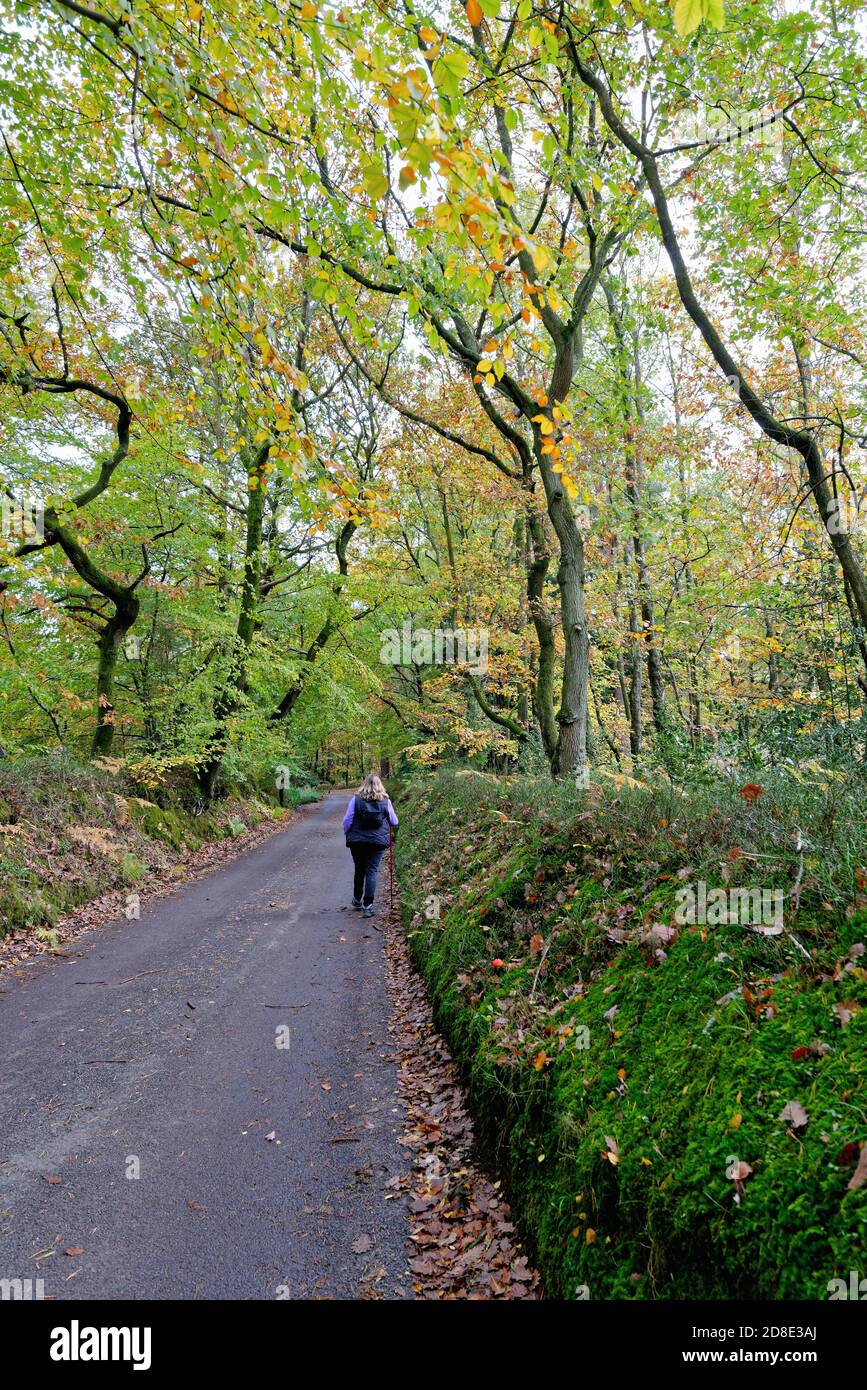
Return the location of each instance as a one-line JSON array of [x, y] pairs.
[[367, 826]]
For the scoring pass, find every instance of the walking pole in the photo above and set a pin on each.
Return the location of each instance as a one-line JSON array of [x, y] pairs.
[[390, 869]]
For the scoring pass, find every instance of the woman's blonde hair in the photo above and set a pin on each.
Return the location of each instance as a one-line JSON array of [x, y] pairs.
[[372, 789]]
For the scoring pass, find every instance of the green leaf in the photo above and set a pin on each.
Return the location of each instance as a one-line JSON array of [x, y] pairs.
[[449, 70], [375, 180], [457, 63], [688, 15]]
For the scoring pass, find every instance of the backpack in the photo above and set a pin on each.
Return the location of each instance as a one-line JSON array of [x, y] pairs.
[[370, 815]]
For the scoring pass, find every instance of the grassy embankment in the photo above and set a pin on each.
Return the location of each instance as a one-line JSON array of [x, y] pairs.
[[631, 1082], [71, 830]]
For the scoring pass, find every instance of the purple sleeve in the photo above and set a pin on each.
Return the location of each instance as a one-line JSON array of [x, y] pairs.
[[392, 814], [348, 818]]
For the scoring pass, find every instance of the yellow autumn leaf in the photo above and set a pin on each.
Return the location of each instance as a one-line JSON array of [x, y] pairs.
[[688, 15]]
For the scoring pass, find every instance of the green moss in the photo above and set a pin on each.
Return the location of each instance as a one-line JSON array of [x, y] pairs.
[[687, 1077], [132, 869], [167, 825]]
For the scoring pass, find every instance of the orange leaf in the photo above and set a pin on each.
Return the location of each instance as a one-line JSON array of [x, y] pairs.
[[750, 792]]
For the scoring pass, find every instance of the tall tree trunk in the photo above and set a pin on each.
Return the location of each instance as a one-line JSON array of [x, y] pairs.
[[694, 726], [571, 754], [327, 630], [113, 633], [230, 697], [125, 606], [636, 664], [633, 419], [773, 659], [543, 690]]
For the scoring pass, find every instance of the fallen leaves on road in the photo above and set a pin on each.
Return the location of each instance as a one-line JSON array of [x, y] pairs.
[[464, 1244]]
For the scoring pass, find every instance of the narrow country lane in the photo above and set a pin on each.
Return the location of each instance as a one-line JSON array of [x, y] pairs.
[[154, 1051]]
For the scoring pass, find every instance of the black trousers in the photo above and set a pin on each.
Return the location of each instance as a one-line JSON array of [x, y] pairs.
[[367, 859]]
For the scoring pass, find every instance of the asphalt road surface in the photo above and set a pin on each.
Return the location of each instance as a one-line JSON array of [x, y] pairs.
[[147, 1072]]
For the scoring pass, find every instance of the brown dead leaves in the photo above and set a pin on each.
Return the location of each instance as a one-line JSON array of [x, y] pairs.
[[795, 1116], [463, 1242], [859, 1177]]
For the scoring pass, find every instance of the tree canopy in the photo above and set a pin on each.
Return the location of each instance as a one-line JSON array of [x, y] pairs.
[[435, 380]]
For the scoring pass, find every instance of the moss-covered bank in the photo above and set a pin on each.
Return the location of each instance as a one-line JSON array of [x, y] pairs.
[[631, 1083], [72, 830]]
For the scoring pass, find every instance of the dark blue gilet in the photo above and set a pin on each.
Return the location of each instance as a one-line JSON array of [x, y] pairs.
[[374, 833]]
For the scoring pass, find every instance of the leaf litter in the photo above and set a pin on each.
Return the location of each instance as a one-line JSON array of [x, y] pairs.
[[463, 1243]]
